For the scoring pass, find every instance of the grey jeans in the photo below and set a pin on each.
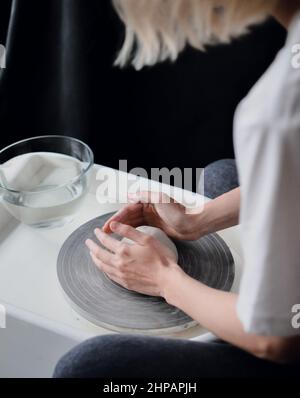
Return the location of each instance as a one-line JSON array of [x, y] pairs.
[[117, 356], [143, 356], [219, 177]]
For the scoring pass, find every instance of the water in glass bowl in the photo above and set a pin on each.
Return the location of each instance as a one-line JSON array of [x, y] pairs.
[[43, 189]]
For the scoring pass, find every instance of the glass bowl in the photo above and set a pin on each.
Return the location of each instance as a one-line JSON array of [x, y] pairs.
[[43, 180]]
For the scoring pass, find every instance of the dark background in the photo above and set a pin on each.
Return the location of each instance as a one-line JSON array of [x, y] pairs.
[[60, 80]]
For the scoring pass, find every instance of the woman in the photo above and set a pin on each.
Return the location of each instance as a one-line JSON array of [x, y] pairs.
[[257, 323]]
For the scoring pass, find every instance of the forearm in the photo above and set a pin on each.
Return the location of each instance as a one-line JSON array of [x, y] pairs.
[[216, 311], [220, 213]]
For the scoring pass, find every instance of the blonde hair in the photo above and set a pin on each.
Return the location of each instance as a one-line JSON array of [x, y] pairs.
[[157, 30]]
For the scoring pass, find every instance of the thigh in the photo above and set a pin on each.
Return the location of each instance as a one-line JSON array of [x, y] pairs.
[[218, 178], [141, 356]]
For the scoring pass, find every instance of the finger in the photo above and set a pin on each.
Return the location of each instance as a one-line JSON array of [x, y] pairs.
[[108, 269], [102, 254], [129, 232], [123, 215], [116, 217], [150, 197], [134, 221], [117, 280], [137, 222], [107, 241]]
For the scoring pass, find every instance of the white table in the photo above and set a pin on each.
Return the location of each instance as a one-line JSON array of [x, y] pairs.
[[40, 324]]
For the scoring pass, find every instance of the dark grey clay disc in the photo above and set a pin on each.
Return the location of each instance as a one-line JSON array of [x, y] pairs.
[[95, 297]]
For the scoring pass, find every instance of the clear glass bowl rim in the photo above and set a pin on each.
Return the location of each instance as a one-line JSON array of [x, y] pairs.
[[72, 181]]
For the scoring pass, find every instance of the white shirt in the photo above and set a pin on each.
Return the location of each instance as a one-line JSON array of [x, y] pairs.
[[267, 144]]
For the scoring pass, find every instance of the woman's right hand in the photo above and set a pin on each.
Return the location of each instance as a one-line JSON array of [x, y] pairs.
[[157, 210]]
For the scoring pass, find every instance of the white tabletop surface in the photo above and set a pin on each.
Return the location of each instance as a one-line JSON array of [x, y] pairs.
[[28, 282]]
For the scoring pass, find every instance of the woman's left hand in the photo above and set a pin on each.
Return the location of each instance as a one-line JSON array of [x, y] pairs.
[[144, 267]]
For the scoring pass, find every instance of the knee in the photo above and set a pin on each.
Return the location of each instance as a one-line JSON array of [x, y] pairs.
[[219, 177], [95, 357]]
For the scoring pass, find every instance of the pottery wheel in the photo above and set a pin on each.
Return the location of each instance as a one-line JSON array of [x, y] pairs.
[[95, 297]]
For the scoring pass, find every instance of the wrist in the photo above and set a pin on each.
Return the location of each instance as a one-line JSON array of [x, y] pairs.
[[173, 278], [198, 221], [215, 215]]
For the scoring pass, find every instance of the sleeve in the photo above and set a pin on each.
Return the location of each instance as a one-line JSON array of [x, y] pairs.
[[269, 169]]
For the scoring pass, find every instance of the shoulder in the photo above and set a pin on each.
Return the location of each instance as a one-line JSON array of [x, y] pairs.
[[294, 31], [287, 101], [275, 98]]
